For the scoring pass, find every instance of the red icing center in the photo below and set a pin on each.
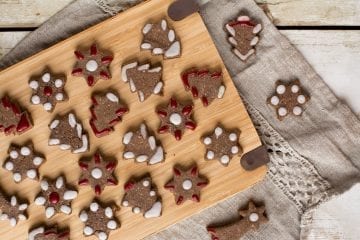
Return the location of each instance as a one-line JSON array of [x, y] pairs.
[[54, 197], [48, 91]]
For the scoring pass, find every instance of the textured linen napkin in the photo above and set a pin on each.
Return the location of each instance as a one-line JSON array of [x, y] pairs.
[[313, 157]]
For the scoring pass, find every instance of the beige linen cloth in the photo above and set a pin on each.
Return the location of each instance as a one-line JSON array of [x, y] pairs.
[[313, 157]]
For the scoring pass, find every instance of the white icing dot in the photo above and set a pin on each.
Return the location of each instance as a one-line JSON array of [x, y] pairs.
[[152, 193], [102, 236], [136, 210], [25, 151], [58, 83], [207, 141], [221, 91], [218, 131], [301, 99], [9, 166], [127, 138], [23, 206], [65, 209], [14, 154], [83, 216], [59, 182], [13, 201], [187, 184], [233, 137], [92, 66], [13, 222], [111, 224], [141, 158], [175, 119], [37, 161], [281, 89], [112, 97], [3, 217], [254, 217], [31, 173], [88, 231], [146, 183], [96, 173], [174, 50], [225, 159], [46, 77], [129, 155], [44, 185], [47, 106], [282, 111], [125, 203], [234, 149], [17, 177], [40, 201], [59, 96], [297, 110], [274, 100], [22, 217], [35, 99], [295, 88], [70, 195], [49, 212], [154, 211], [109, 212], [94, 207], [210, 155], [34, 85]]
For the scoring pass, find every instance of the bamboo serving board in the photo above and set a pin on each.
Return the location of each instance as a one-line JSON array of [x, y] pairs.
[[122, 35]]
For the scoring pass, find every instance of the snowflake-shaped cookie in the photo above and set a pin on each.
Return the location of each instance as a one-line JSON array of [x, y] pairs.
[[243, 37], [97, 173], [99, 221], [161, 40], [143, 79], [251, 219], [142, 147], [92, 64], [142, 197], [222, 145], [12, 209], [55, 196], [289, 98], [23, 162], [48, 90], [107, 110], [45, 233], [175, 118], [186, 184], [204, 84]]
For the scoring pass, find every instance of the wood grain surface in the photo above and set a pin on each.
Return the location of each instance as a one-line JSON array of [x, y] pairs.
[[122, 35]]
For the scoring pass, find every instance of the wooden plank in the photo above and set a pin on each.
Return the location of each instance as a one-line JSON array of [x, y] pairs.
[[8, 41], [198, 50]]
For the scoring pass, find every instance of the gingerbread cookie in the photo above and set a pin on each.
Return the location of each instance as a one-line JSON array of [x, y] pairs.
[[97, 173], [23, 162], [289, 98], [222, 145], [142, 197], [107, 110], [45, 233], [68, 133], [48, 90], [55, 196], [175, 118], [186, 184], [12, 119], [161, 40], [204, 84], [11, 209], [244, 36], [251, 219], [143, 79], [92, 64], [142, 147], [99, 220]]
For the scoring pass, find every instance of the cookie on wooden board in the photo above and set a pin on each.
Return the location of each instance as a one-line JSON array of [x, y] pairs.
[[143, 79], [161, 40], [23, 162], [13, 120], [142, 197], [48, 233], [12, 209]]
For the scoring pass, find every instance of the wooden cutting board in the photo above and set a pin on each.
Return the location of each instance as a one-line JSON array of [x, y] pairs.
[[122, 35]]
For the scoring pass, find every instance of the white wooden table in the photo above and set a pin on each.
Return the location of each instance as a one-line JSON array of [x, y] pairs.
[[327, 32]]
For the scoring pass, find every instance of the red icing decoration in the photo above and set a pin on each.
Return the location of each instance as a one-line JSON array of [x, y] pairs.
[[111, 166], [194, 92], [163, 129], [77, 72], [84, 182], [107, 59], [93, 50], [202, 184], [194, 171], [111, 181], [178, 135], [161, 113], [122, 111], [195, 198], [187, 110], [48, 91], [84, 166], [104, 75], [190, 125], [97, 158], [128, 186], [90, 80], [173, 103], [180, 200], [247, 23], [205, 101], [24, 123], [54, 197], [97, 190], [177, 172], [79, 55]]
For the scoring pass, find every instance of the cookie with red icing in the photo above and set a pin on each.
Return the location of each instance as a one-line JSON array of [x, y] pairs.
[[48, 233]]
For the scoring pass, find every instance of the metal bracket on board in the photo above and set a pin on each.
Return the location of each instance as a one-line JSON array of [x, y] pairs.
[[255, 158], [180, 9]]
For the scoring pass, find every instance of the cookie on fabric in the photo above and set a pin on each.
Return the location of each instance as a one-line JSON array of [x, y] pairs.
[[99, 220], [251, 219], [55, 196], [97, 173], [186, 184], [243, 36], [161, 40], [68, 134], [222, 145], [142, 197], [48, 233], [92, 64], [106, 111], [143, 79], [23, 162], [289, 98], [48, 90], [142, 147], [13, 120], [175, 118], [12, 209], [204, 84]]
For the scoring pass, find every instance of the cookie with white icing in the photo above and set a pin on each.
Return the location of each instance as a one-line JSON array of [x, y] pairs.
[[289, 98], [143, 79], [68, 134], [99, 220], [106, 111], [97, 173], [92, 64], [222, 145], [48, 233], [48, 90], [142, 197], [161, 40], [23, 162], [204, 84], [243, 36], [12, 209], [142, 147], [55, 196]]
